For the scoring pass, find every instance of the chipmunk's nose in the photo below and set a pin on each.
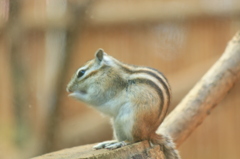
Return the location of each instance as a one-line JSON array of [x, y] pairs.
[[69, 90]]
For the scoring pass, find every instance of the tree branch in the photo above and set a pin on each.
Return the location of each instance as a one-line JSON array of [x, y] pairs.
[[206, 94]]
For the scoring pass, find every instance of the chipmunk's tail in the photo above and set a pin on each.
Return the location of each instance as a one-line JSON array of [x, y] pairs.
[[167, 144]]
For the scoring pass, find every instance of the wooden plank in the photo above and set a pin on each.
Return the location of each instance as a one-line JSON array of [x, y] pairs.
[[108, 13], [131, 12]]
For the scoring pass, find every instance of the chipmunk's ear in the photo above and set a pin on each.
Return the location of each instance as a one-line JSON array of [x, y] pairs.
[[99, 55]]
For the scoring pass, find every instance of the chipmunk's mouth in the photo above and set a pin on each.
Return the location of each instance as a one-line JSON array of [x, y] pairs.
[[77, 94]]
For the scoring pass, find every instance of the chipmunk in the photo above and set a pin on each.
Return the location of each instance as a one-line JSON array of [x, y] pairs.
[[136, 98]]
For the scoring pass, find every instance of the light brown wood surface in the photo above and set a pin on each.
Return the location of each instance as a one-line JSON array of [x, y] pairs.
[[138, 150], [118, 13]]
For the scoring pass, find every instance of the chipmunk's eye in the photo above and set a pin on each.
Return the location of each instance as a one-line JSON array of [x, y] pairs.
[[80, 73]]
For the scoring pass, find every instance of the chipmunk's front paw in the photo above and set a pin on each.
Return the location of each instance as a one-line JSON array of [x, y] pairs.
[[110, 145], [103, 144], [116, 145]]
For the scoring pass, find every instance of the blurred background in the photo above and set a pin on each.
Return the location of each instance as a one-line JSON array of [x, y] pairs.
[[43, 42]]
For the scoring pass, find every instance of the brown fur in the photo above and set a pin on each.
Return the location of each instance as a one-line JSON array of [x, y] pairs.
[[167, 144]]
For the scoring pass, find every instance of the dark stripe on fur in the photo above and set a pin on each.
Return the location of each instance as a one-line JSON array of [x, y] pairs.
[[158, 72], [93, 72], [154, 75], [153, 85]]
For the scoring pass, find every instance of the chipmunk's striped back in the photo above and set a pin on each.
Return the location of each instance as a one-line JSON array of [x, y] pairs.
[[154, 79]]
